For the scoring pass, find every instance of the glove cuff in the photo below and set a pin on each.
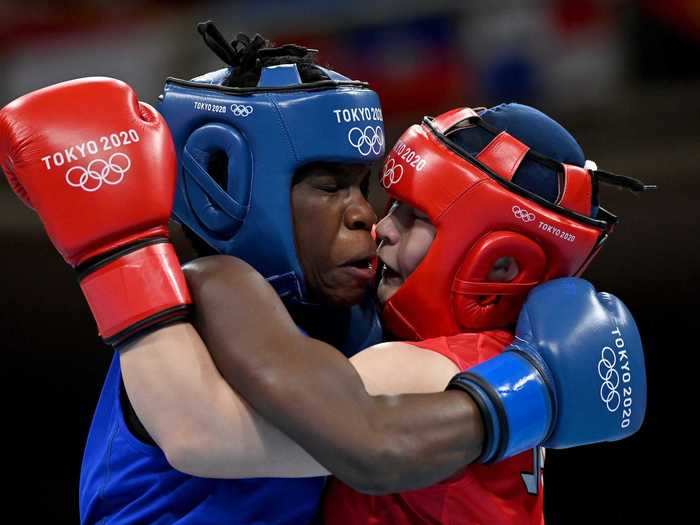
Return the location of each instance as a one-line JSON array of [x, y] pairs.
[[493, 420], [519, 407], [133, 289]]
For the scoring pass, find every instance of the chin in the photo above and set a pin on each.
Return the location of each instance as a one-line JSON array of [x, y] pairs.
[[347, 296], [385, 292]]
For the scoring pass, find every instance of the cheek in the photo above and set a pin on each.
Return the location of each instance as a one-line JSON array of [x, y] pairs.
[[323, 224], [315, 225], [303, 214], [415, 248]]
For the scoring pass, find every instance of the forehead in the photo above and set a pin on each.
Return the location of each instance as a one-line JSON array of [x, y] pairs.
[[403, 209], [332, 169]]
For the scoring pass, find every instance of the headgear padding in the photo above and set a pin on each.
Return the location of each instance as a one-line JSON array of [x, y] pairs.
[[265, 133], [481, 215]]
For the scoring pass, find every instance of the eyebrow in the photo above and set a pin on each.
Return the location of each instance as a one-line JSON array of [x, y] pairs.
[[420, 214], [343, 175]]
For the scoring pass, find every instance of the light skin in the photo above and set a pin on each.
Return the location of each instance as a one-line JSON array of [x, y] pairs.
[[405, 235], [205, 428]]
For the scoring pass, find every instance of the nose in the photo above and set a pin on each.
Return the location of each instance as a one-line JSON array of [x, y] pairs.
[[387, 231], [359, 214]]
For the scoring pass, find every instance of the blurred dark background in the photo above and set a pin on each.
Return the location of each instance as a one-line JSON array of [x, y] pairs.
[[622, 75]]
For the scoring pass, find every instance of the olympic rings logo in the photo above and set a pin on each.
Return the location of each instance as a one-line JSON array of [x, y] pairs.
[[99, 172], [523, 214], [392, 173], [611, 379], [241, 110], [368, 140]]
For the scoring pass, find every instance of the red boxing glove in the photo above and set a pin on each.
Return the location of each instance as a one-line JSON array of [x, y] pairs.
[[99, 168]]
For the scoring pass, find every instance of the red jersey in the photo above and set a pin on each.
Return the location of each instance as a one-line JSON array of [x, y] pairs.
[[508, 492]]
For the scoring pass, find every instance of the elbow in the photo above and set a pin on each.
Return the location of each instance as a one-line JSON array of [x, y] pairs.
[[184, 454], [271, 387], [378, 471], [374, 484]]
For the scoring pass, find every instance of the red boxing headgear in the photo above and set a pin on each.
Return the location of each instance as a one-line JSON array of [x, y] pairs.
[[481, 216]]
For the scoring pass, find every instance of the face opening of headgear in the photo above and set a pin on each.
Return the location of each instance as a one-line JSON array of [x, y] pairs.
[[269, 113], [504, 182]]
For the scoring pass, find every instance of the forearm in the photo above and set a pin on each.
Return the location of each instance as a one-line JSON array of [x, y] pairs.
[[204, 428], [379, 444], [312, 392]]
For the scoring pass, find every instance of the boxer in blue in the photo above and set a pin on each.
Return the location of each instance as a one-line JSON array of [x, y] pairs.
[[265, 149]]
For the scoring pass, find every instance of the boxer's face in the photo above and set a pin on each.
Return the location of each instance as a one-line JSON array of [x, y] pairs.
[[332, 224], [405, 236]]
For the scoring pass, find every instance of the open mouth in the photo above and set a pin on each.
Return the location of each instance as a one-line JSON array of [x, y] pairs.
[[387, 272], [361, 263], [362, 269], [389, 282]]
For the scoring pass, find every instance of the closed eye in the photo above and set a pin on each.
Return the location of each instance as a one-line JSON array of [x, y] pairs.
[[364, 184], [420, 216]]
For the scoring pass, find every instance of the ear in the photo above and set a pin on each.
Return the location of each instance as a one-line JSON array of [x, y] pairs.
[[504, 270], [220, 204], [480, 303]]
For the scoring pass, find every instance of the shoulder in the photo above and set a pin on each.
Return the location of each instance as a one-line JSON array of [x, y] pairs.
[[214, 274], [470, 348], [401, 368], [410, 353], [225, 265]]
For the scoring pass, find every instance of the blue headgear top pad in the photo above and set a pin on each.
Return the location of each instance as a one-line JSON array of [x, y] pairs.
[[265, 134], [532, 127]]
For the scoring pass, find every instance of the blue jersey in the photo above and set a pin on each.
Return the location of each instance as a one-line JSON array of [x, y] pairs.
[[125, 481]]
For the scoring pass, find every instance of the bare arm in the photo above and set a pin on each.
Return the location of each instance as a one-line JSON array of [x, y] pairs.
[[311, 391], [203, 427], [401, 368]]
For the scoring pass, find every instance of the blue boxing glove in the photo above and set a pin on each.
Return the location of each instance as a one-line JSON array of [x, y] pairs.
[[573, 375]]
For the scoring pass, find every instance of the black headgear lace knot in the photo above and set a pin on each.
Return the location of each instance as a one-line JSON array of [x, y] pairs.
[[248, 53]]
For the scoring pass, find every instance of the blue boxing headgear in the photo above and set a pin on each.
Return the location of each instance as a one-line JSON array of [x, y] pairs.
[[540, 132], [266, 133]]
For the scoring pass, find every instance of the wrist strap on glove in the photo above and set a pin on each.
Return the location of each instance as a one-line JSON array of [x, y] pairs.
[[135, 288], [515, 400]]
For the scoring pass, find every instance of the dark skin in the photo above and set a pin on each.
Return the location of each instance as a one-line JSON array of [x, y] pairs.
[[332, 221], [309, 390], [376, 444]]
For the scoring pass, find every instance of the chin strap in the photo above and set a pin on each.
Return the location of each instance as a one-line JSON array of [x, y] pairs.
[[621, 181]]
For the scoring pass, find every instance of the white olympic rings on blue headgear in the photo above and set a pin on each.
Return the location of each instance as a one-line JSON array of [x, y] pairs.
[[241, 110], [368, 140]]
